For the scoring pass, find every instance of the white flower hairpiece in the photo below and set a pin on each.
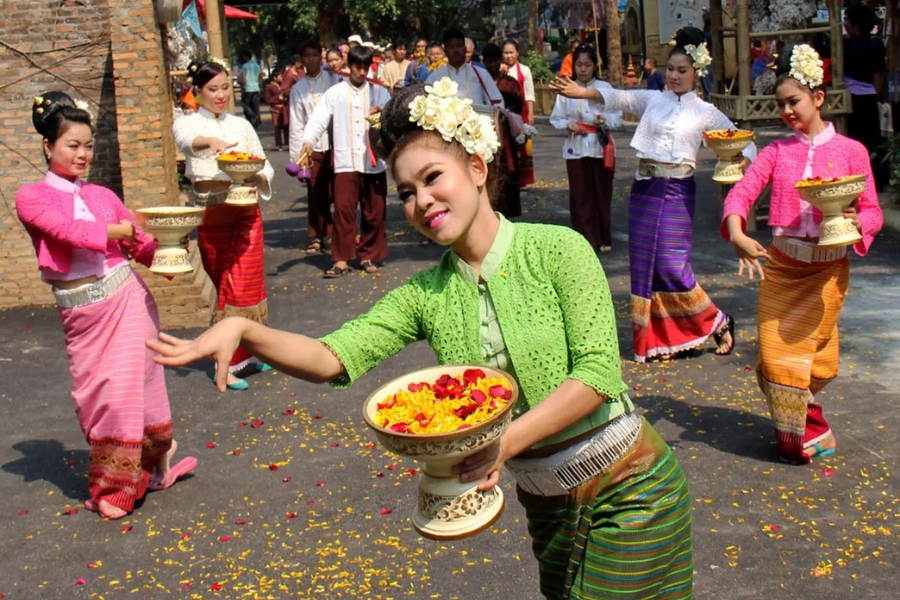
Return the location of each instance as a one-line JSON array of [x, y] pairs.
[[441, 110], [218, 61], [806, 67], [700, 56], [82, 105]]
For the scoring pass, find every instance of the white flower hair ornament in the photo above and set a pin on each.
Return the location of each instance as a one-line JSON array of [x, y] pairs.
[[82, 105], [219, 61], [441, 110], [806, 66], [700, 57]]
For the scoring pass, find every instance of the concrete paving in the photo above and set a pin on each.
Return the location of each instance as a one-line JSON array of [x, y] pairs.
[[293, 497]]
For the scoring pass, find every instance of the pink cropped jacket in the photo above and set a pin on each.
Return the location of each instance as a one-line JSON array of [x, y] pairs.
[[783, 163], [48, 215]]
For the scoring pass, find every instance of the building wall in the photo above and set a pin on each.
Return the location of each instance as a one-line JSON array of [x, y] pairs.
[[108, 53]]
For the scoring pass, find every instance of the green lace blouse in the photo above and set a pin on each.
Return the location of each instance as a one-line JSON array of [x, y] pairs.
[[547, 293]]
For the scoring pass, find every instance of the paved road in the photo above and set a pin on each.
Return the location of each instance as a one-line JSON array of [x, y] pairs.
[[333, 520]]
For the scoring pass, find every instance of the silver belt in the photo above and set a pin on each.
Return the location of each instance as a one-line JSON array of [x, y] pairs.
[[557, 474], [652, 169], [807, 251], [92, 292]]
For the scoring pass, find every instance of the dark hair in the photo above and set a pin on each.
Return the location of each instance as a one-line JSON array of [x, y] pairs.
[[55, 113], [651, 60], [454, 34], [360, 56], [202, 70], [311, 43], [278, 70], [687, 36], [398, 42], [491, 51], [336, 50], [783, 69], [862, 16], [592, 56], [396, 132], [512, 41], [433, 45], [341, 42], [246, 55]]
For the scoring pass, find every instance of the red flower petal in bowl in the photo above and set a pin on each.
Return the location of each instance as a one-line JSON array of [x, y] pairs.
[[400, 428], [473, 375], [479, 397]]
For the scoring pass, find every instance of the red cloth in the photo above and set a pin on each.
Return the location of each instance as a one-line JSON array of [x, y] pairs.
[[230, 11], [231, 248]]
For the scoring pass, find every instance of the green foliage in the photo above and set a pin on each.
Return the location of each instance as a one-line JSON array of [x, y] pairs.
[[540, 69], [889, 154], [282, 29]]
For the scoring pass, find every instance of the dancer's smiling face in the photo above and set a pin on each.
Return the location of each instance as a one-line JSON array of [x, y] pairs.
[[680, 73], [442, 188], [798, 105], [72, 152]]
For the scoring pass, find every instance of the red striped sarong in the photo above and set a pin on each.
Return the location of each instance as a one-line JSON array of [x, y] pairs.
[[231, 247], [799, 306], [119, 392]]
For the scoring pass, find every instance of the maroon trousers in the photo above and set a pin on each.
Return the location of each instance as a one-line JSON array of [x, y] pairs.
[[318, 191], [590, 196], [369, 191]]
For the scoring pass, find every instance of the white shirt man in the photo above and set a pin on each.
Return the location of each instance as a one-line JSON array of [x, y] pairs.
[[474, 82]]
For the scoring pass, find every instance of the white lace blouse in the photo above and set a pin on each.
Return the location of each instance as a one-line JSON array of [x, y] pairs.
[[671, 126], [201, 165], [568, 110]]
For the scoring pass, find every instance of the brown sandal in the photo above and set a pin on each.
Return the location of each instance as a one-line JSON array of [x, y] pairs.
[[368, 266]]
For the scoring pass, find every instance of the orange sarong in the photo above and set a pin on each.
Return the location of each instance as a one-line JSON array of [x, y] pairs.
[[799, 306]]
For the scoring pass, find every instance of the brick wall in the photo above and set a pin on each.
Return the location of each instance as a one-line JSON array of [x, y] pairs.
[[109, 53]]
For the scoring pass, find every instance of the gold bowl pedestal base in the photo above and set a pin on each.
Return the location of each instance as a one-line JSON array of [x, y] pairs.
[[449, 509]]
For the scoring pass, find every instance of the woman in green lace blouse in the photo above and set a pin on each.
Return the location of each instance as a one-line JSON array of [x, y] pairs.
[[607, 504]]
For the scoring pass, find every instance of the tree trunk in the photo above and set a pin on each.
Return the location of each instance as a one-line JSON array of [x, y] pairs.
[[533, 27], [613, 43]]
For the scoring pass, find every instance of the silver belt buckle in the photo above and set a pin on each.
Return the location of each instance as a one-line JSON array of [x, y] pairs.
[[96, 293], [804, 253]]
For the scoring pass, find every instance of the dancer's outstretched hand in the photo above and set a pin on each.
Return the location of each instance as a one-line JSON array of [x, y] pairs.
[[218, 342], [749, 251]]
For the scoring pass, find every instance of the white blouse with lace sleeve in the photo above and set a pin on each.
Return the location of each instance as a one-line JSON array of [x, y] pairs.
[[201, 165]]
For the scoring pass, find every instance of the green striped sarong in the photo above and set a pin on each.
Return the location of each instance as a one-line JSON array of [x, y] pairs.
[[623, 534]]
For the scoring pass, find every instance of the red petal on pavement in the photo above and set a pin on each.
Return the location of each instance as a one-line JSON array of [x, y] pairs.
[[334, 444], [747, 369], [828, 472], [224, 538], [379, 474], [240, 522], [71, 511], [273, 467], [216, 587], [320, 484], [392, 467], [286, 480], [293, 394], [370, 445], [242, 424], [187, 585], [22, 513], [310, 502], [257, 424], [92, 565], [292, 515], [80, 581], [127, 528], [385, 511], [638, 387], [237, 452], [775, 527], [412, 471], [318, 416], [289, 411], [210, 445], [185, 536], [663, 380]]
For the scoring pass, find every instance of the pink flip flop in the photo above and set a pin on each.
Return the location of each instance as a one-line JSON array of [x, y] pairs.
[[179, 469]]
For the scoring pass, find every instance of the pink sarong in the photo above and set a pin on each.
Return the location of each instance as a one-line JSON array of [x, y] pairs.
[[119, 392]]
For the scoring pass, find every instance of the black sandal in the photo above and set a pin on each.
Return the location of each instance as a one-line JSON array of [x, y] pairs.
[[728, 327], [315, 246], [335, 272], [368, 266]]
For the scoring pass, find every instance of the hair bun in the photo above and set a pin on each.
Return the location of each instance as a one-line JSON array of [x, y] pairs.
[[689, 36], [45, 105], [395, 121]]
